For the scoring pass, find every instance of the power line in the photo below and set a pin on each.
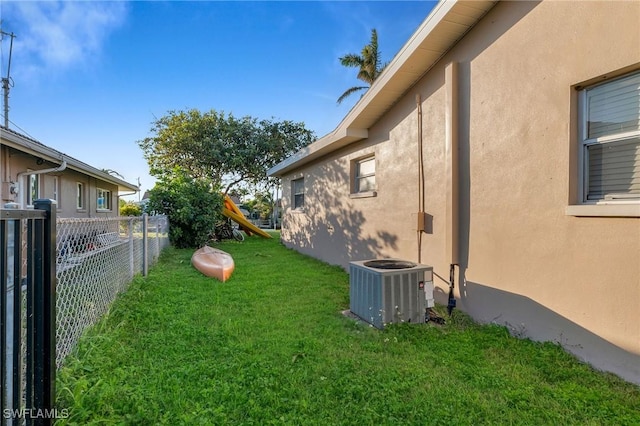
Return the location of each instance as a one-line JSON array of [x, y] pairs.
[[24, 132]]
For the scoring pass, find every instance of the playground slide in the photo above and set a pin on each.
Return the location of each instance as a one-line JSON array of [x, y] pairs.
[[230, 205], [232, 211]]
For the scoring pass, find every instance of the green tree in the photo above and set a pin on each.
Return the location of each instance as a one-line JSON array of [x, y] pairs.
[[192, 205], [220, 147], [130, 209], [262, 203], [369, 64]]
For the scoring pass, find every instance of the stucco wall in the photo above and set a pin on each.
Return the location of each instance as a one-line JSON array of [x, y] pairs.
[[523, 261]]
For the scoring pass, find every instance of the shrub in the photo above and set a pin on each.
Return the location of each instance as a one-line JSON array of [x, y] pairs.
[[130, 209], [192, 205]]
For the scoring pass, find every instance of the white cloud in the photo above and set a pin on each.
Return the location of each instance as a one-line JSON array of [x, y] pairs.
[[56, 35]]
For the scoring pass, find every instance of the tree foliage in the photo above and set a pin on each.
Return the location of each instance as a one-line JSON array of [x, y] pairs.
[[369, 63], [262, 203], [193, 206], [220, 147], [130, 209]]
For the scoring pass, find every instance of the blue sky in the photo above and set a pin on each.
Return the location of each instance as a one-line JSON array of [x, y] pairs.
[[90, 77]]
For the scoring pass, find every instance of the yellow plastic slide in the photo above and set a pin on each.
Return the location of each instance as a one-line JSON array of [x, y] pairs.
[[232, 211]]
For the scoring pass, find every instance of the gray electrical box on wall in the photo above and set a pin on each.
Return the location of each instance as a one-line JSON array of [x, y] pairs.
[[384, 291]]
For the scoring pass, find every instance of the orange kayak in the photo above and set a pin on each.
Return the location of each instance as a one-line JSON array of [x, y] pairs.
[[213, 263]]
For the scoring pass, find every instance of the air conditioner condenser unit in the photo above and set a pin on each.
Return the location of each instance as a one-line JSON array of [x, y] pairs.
[[384, 291]]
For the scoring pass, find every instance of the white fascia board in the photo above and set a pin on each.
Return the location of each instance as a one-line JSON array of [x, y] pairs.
[[439, 24], [334, 140], [426, 28]]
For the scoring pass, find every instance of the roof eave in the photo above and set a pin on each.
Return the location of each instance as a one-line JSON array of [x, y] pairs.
[[329, 143], [447, 23], [33, 147]]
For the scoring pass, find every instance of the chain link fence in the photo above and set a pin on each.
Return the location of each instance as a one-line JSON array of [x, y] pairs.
[[96, 260]]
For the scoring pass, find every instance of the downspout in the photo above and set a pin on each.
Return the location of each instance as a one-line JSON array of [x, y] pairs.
[[452, 177], [128, 193], [60, 168], [421, 202], [124, 195]]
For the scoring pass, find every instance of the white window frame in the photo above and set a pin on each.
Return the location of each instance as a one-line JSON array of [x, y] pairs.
[[357, 177], [56, 190], [295, 194], [625, 206], [105, 195], [31, 197], [80, 196]]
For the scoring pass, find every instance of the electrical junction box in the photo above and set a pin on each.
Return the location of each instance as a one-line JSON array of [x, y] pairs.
[[384, 291]]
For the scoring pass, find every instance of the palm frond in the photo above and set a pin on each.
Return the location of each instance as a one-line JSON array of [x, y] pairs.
[[368, 62], [350, 91], [352, 60]]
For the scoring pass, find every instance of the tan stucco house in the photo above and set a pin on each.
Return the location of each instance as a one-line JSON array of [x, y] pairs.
[[32, 170], [501, 143]]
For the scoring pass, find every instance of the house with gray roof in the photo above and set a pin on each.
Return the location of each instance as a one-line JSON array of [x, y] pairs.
[[30, 170]]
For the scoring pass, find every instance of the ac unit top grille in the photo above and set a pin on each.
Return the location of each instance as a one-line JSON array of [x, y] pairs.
[[389, 264]]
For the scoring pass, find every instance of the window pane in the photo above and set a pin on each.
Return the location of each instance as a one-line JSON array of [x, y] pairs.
[[80, 196], [614, 107], [614, 170], [104, 199], [55, 188], [365, 175], [366, 184], [367, 167], [297, 192], [33, 189]]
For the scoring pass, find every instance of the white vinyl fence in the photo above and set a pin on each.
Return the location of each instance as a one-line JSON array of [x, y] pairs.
[[96, 260]]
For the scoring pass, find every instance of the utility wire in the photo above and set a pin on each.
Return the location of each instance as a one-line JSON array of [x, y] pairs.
[[24, 132]]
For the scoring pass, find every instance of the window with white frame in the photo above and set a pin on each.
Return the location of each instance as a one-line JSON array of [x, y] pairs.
[[56, 190], [79, 196], [104, 199], [33, 188], [297, 193], [364, 175], [610, 141]]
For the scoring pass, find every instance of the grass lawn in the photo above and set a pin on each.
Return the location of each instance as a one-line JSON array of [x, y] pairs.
[[270, 346]]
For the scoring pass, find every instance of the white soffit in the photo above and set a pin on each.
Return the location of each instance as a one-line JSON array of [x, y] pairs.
[[447, 23]]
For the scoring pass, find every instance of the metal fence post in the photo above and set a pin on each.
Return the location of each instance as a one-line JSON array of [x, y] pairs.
[[5, 389], [11, 384], [16, 364], [157, 223], [4, 383], [145, 244], [44, 313], [132, 267]]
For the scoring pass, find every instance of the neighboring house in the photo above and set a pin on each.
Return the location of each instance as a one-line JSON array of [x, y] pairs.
[[144, 201], [31, 170], [527, 115], [236, 200]]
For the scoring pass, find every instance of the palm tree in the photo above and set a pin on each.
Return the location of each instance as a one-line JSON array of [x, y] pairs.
[[368, 62]]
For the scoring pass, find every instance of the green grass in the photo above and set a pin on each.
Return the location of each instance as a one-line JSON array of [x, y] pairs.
[[270, 346]]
